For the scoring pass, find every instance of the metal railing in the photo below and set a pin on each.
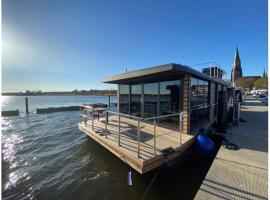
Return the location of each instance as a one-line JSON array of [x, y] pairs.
[[106, 112]]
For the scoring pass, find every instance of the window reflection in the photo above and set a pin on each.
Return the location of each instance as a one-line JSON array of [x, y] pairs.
[[199, 101], [150, 99], [135, 105], [124, 98], [169, 97], [158, 98]]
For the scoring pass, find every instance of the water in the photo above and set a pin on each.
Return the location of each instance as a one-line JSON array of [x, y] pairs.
[[18, 102], [47, 157]]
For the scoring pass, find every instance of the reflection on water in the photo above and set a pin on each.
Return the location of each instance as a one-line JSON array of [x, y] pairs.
[[47, 157]]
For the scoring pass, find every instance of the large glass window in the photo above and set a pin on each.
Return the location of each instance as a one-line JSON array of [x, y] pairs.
[[199, 100], [150, 99], [200, 96], [124, 99], [135, 105], [193, 92], [169, 97], [206, 100]]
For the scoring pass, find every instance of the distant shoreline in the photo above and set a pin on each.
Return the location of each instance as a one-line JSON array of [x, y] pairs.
[[92, 92], [13, 94]]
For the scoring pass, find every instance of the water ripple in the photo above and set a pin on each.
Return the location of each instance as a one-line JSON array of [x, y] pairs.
[[47, 157]]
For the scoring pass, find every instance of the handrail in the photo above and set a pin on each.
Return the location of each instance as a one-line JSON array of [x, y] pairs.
[[144, 119], [135, 117], [204, 106], [122, 114], [139, 120], [162, 116]]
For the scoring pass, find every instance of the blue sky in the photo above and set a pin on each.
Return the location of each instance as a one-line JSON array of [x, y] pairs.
[[56, 45]]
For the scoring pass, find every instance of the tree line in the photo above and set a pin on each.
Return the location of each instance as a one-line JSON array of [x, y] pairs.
[[73, 92]]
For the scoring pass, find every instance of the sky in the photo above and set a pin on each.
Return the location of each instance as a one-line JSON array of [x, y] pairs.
[[55, 45]]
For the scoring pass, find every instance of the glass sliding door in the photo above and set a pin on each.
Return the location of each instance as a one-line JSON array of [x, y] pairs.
[[135, 104], [169, 97], [206, 100], [199, 101], [124, 99], [150, 99], [193, 100]]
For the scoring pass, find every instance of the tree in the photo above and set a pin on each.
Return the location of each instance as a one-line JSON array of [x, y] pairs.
[[261, 83], [246, 82], [75, 91]]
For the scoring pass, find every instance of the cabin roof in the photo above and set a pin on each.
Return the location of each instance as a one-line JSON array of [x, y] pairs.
[[158, 73]]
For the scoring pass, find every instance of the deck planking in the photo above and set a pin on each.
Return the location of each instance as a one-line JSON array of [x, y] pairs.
[[127, 151]]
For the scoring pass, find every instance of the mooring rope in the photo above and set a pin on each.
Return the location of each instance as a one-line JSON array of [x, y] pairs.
[[153, 179]]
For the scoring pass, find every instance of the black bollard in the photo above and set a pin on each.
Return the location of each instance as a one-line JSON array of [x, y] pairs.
[[26, 105]]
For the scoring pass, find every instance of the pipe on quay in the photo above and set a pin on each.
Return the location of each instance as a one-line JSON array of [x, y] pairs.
[[10, 113]]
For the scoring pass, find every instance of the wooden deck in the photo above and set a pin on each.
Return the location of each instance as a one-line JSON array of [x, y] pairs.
[[128, 149]]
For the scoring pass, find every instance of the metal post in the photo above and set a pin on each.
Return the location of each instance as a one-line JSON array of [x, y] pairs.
[[119, 118], [26, 105], [155, 124], [109, 102], [181, 119], [107, 116], [138, 137], [80, 114], [238, 113], [92, 119], [106, 124], [85, 117]]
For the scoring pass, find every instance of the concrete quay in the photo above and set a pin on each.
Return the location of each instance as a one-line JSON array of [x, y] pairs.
[[242, 173]]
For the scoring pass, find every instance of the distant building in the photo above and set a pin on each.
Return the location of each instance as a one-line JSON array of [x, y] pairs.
[[236, 67], [213, 72]]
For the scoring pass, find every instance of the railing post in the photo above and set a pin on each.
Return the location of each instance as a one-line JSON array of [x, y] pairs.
[[181, 119], [119, 118], [106, 124], [80, 114], [85, 117], [155, 124], [92, 119], [138, 137]]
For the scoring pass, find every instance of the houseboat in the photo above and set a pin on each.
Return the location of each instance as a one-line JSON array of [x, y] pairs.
[[160, 110]]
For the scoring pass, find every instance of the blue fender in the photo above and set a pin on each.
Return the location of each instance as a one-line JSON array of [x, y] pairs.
[[205, 145]]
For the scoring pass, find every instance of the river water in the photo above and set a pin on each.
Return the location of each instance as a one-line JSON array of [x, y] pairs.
[[46, 157]]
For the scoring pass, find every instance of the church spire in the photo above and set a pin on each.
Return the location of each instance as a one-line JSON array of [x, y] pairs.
[[237, 60], [264, 73], [236, 67]]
